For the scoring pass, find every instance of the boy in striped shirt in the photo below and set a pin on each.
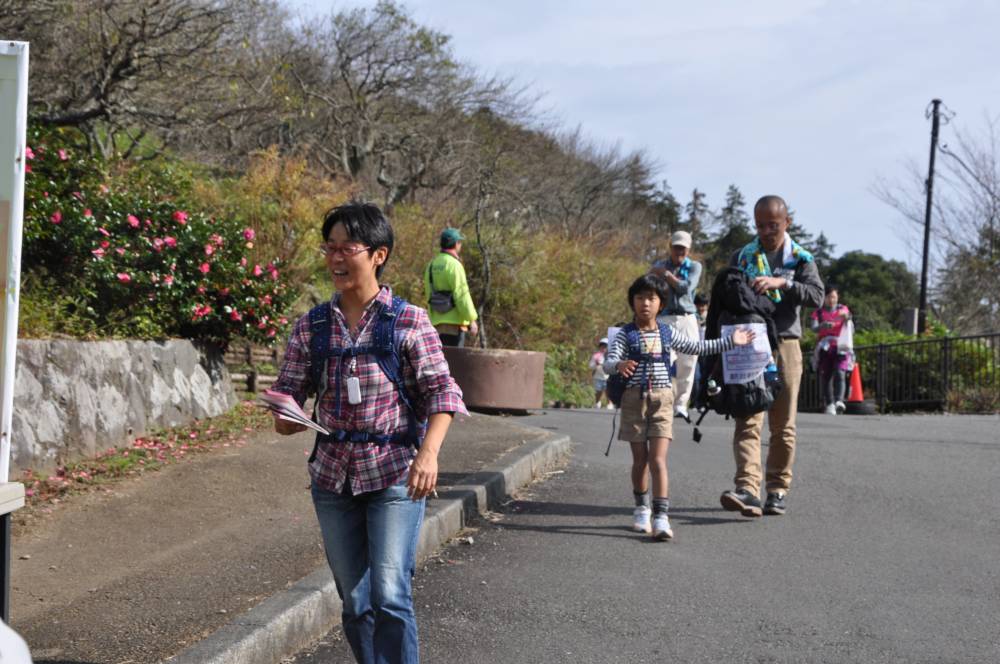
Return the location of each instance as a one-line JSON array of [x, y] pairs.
[[641, 353]]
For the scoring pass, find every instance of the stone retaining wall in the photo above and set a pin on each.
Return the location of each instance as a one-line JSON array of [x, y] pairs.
[[75, 398]]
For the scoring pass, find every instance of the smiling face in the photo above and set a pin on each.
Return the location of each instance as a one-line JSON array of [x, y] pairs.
[[646, 305], [351, 264], [771, 220]]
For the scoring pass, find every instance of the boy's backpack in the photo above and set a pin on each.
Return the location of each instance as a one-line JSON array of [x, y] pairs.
[[616, 382], [733, 302], [385, 345]]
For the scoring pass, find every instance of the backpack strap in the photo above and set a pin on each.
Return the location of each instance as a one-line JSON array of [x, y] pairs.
[[320, 326], [386, 347]]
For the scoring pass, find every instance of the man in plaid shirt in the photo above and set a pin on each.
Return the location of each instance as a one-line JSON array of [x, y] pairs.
[[369, 495]]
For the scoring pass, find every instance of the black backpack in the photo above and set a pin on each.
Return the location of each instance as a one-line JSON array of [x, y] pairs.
[[741, 399], [733, 302]]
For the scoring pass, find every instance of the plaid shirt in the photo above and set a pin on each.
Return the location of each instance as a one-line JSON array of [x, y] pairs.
[[368, 466]]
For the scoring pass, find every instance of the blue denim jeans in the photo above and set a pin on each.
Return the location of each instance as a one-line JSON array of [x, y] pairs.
[[371, 546]]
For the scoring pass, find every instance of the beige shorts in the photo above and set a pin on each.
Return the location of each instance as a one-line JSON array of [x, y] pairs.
[[648, 416]]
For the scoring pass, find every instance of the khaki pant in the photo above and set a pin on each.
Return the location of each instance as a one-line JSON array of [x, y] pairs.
[[648, 414], [781, 422], [683, 382]]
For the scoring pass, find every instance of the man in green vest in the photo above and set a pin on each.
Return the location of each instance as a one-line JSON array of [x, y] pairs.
[[449, 301]]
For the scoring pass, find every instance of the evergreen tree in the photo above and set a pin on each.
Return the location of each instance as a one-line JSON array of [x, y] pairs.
[[666, 220], [697, 217], [735, 231], [822, 251], [733, 213]]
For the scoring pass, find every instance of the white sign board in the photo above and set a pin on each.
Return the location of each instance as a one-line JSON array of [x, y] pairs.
[[13, 131], [744, 363]]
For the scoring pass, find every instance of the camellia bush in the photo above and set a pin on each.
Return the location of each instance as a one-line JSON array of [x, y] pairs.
[[116, 246]]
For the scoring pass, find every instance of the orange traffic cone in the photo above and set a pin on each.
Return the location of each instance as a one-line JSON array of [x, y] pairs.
[[855, 394]]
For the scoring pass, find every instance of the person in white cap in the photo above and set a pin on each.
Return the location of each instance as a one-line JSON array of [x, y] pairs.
[[682, 275], [596, 365]]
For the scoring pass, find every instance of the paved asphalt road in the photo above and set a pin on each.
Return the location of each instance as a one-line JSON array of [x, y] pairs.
[[890, 552]]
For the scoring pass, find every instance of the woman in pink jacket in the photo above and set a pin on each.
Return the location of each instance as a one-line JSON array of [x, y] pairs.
[[832, 362]]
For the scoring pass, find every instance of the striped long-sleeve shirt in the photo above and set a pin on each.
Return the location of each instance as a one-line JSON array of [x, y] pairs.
[[651, 370]]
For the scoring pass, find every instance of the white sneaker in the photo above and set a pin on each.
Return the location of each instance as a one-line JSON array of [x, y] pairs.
[[610, 406], [661, 528], [840, 407], [640, 519], [831, 409], [681, 413]]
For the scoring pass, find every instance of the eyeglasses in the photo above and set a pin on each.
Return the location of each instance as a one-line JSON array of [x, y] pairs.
[[330, 249]]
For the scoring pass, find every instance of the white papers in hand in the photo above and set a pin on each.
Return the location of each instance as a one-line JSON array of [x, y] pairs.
[[287, 408], [744, 363]]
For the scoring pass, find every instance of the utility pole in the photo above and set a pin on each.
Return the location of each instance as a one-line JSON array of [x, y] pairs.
[[935, 123]]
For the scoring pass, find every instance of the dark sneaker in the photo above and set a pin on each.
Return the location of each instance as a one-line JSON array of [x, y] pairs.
[[742, 501], [775, 503]]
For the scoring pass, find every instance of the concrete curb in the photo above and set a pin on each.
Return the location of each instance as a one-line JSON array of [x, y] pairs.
[[296, 617]]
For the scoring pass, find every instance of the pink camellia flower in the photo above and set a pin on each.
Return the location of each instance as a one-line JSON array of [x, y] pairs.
[[170, 241], [157, 244], [120, 251], [257, 270], [235, 315], [168, 279], [63, 155], [28, 154], [201, 290], [181, 217], [27, 168], [45, 194], [155, 278], [105, 244], [133, 221], [261, 325], [78, 195], [216, 239], [88, 213], [124, 277], [243, 262], [272, 332], [148, 223], [283, 320], [274, 273], [266, 300], [223, 292], [104, 189], [249, 234], [209, 250], [104, 232], [173, 267], [56, 217], [99, 253], [204, 268]]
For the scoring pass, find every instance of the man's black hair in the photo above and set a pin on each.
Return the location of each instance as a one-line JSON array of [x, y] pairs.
[[831, 288], [364, 223], [649, 283], [768, 201], [700, 299]]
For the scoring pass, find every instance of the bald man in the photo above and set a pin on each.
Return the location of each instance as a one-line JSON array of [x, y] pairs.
[[787, 273]]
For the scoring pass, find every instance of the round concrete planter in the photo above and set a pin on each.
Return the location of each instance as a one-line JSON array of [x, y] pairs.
[[498, 379]]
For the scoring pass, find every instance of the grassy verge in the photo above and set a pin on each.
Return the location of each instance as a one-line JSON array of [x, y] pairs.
[[145, 454]]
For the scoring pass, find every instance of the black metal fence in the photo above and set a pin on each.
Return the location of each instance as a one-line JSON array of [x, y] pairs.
[[959, 374]]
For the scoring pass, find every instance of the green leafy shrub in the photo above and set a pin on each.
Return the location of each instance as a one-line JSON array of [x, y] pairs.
[[130, 258]]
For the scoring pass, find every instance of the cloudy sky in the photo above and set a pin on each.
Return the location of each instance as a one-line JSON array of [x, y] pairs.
[[810, 99]]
